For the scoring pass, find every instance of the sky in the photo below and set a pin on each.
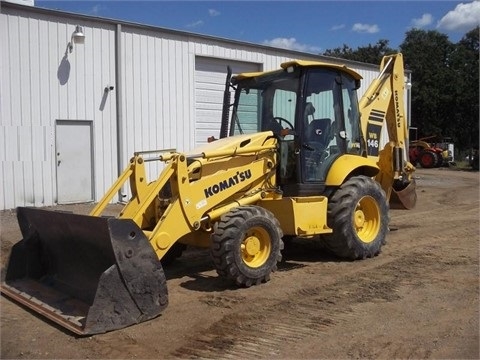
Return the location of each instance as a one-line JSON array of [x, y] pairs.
[[307, 26]]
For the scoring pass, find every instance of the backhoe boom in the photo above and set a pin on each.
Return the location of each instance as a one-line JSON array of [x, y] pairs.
[[382, 106]]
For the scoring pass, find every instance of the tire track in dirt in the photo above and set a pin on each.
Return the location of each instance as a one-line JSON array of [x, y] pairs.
[[467, 211], [452, 195], [260, 331]]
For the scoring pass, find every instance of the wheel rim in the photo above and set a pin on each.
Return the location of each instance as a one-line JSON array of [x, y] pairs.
[[367, 219], [256, 247]]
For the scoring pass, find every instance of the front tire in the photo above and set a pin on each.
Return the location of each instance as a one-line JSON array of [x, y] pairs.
[[358, 215], [246, 245]]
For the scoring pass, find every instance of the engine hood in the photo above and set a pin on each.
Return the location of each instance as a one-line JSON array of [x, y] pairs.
[[235, 144]]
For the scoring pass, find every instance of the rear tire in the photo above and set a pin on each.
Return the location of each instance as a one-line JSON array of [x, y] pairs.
[[246, 245], [358, 215], [427, 159]]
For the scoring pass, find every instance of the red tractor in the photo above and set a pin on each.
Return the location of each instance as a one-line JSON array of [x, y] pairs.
[[428, 155]]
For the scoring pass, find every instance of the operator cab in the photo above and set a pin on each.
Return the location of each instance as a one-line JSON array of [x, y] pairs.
[[312, 109]]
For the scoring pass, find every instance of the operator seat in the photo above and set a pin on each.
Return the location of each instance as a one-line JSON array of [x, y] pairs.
[[309, 111], [317, 136]]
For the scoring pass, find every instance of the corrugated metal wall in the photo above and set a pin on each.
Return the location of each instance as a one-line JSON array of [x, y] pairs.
[[42, 82], [157, 73]]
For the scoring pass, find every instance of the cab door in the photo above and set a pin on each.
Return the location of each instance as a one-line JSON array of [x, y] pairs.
[[331, 123], [322, 123]]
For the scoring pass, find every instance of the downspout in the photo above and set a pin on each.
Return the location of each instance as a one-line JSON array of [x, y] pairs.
[[409, 99], [119, 108], [408, 86]]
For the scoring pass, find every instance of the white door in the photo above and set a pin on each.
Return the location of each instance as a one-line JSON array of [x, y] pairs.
[[74, 161], [210, 75]]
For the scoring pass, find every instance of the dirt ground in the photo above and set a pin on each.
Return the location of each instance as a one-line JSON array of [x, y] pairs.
[[419, 299]]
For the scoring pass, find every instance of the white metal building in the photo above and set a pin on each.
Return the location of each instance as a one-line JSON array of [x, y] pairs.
[[72, 116]]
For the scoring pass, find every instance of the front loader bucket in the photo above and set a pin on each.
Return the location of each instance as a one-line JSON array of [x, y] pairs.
[[404, 197], [88, 274]]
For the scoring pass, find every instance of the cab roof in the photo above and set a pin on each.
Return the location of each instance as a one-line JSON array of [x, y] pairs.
[[302, 63]]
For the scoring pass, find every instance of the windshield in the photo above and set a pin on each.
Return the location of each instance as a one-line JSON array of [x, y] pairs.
[[267, 103]]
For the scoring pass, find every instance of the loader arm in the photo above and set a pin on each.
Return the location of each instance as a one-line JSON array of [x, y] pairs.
[[382, 106], [195, 200]]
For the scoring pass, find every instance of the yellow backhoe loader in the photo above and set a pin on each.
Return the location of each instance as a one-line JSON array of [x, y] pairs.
[[300, 157]]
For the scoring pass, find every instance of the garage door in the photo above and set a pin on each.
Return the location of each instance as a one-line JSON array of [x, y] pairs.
[[210, 76]]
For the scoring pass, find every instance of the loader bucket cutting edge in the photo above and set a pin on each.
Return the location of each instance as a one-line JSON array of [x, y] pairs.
[[88, 274]]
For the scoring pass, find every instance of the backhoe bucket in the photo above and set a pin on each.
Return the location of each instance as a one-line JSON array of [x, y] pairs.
[[404, 197], [89, 274]]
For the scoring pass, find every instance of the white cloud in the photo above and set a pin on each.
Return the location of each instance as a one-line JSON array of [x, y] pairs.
[[337, 27], [195, 24], [365, 28], [96, 9], [291, 44], [425, 20], [213, 12], [463, 18]]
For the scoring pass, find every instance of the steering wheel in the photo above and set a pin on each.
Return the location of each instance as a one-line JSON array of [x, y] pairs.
[[281, 119]]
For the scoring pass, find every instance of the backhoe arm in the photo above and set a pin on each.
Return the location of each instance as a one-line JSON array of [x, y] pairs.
[[381, 106]]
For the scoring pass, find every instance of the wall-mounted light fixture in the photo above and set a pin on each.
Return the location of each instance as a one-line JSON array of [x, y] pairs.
[[78, 37]]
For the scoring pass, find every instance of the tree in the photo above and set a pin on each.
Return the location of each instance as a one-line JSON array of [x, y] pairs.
[[444, 84], [427, 54], [372, 54], [465, 64], [344, 52]]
